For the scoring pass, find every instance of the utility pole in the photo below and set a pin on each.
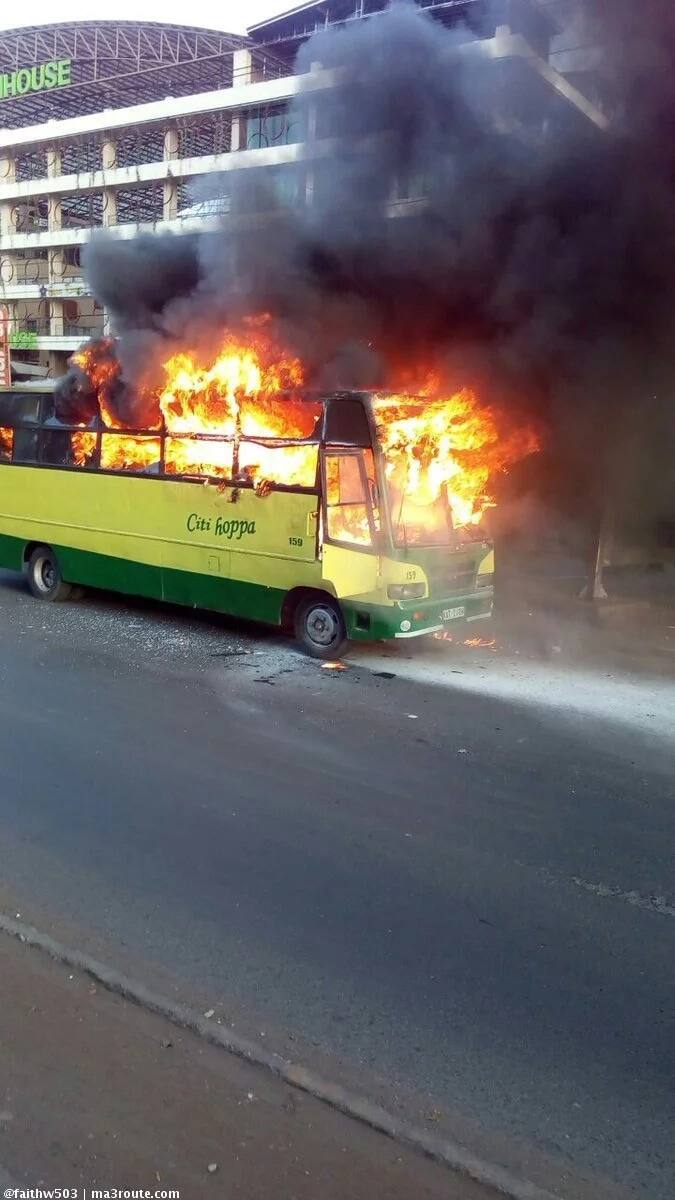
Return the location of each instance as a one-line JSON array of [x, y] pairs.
[[600, 556]]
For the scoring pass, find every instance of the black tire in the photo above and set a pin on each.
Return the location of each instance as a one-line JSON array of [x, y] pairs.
[[320, 627], [45, 580]]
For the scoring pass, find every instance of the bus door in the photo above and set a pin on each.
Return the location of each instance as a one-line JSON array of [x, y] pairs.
[[351, 521]]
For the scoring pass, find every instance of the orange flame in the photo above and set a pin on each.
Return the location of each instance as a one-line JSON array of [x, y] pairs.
[[100, 364], [83, 446], [6, 442], [434, 443], [124, 452], [236, 397]]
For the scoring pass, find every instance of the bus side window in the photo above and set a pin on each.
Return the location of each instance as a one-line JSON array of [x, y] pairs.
[[25, 445]]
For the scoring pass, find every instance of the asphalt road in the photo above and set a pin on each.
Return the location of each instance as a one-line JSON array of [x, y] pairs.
[[435, 880]]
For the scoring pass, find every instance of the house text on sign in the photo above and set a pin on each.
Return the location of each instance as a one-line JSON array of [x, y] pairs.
[[47, 75]]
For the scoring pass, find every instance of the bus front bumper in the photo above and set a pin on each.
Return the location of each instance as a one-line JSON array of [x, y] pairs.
[[415, 618]]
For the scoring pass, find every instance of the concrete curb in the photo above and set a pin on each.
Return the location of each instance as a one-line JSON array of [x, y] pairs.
[[441, 1149]]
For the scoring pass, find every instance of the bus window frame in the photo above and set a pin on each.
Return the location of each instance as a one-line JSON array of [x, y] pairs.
[[333, 450], [94, 467]]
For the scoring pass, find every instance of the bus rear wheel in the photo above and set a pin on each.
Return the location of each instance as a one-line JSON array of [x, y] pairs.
[[320, 628], [45, 580]]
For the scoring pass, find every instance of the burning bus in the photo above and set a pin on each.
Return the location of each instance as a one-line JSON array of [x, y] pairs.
[[339, 515]]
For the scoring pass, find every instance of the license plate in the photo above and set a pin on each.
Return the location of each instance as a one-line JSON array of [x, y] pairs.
[[452, 614]]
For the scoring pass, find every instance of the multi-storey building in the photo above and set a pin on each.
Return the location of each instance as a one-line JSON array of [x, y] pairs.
[[109, 124]]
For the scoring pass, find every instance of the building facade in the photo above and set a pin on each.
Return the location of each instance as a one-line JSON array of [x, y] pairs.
[[111, 125]]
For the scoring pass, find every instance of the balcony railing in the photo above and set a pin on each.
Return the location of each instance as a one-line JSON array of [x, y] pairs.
[[26, 337]]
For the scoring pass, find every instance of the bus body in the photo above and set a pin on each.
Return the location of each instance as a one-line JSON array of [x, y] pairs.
[[213, 542]]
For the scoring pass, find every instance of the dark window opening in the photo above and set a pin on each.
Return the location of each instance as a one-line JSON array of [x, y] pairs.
[[347, 423], [61, 448], [25, 445]]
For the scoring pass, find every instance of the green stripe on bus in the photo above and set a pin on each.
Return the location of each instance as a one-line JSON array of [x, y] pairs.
[[11, 552], [232, 596], [195, 590]]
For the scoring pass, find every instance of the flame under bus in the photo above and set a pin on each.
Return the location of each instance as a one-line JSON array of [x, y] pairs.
[[244, 524]]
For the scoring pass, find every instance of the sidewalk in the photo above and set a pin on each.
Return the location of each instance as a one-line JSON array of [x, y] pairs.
[[96, 1092]]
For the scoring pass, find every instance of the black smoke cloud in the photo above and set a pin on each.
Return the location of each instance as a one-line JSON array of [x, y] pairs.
[[539, 267]]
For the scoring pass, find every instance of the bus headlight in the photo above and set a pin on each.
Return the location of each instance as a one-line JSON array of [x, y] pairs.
[[406, 591]]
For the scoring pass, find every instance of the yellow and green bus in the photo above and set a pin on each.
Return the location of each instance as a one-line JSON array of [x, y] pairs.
[[334, 555]]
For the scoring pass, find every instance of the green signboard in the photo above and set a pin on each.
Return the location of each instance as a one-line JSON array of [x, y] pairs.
[[23, 339], [47, 75]]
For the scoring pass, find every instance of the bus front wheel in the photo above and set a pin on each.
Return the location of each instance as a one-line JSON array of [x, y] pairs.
[[44, 576], [320, 627]]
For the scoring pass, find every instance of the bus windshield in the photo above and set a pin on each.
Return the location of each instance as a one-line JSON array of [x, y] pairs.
[[418, 499], [415, 520]]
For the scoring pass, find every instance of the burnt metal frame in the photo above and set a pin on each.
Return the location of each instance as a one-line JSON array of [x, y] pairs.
[[93, 466], [50, 425], [160, 434]]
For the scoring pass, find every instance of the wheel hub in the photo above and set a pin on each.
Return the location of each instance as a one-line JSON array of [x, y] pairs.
[[44, 574], [321, 626]]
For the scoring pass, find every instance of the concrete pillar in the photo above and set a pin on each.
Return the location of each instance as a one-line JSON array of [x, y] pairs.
[[171, 143], [53, 162], [54, 214], [310, 139], [242, 67], [57, 273], [238, 132], [170, 188], [7, 269], [57, 320], [8, 213], [7, 167], [108, 163], [56, 265], [600, 556], [9, 260], [108, 154]]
